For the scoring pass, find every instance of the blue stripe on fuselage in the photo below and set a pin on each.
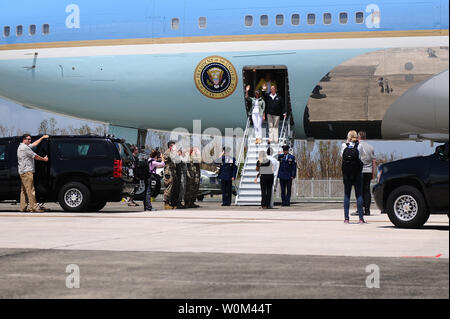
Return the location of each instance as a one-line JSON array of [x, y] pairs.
[[116, 19]]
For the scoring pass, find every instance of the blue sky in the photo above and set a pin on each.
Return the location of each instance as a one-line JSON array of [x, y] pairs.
[[28, 120]]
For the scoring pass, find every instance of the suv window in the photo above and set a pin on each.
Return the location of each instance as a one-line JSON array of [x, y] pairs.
[[82, 149], [124, 151], [2, 152]]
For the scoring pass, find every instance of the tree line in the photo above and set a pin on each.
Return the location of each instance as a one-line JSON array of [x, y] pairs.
[[315, 160], [50, 127]]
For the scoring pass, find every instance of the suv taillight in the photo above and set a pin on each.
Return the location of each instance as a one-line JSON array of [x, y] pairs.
[[117, 172]]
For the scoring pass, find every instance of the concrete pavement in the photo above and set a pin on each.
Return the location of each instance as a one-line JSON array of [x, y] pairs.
[[304, 251]]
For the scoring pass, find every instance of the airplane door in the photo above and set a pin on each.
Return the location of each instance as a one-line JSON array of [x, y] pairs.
[[168, 20], [4, 173]]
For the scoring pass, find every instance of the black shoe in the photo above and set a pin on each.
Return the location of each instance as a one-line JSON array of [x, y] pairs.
[[354, 214], [367, 214], [181, 207]]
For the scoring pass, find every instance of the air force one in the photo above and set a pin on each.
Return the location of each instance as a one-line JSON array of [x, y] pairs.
[[381, 66]]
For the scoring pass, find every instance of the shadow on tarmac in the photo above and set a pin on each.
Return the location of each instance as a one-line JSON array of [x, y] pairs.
[[426, 227]]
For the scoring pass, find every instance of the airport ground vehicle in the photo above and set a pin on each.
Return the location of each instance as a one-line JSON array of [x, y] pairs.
[[411, 189], [83, 172]]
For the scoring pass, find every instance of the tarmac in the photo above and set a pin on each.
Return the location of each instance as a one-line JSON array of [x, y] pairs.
[[300, 252]]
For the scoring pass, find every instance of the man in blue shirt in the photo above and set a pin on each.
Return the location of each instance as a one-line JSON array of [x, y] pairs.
[[286, 173], [227, 174]]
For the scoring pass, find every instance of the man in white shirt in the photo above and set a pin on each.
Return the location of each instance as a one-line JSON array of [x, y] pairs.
[[275, 167], [25, 158]]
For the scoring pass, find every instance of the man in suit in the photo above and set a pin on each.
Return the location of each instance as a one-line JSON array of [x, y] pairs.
[[227, 174], [286, 173]]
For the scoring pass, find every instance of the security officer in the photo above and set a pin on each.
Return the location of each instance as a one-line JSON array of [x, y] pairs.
[[286, 173], [170, 175], [227, 174]]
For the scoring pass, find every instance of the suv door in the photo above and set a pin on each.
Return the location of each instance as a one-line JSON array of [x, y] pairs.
[[438, 179], [4, 172], [42, 173]]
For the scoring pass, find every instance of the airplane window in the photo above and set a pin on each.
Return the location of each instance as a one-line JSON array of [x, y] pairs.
[[343, 17], [359, 17], [264, 20], [175, 24], [32, 29], [46, 29], [6, 31], [280, 19], [19, 30], [327, 18], [295, 19], [311, 18], [248, 21], [202, 22]]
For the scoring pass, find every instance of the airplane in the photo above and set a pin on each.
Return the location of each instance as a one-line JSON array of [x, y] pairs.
[[379, 65]]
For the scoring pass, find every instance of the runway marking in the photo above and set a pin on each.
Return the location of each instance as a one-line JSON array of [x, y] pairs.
[[437, 256]]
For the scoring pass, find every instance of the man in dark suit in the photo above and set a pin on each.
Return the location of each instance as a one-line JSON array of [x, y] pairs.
[[227, 174], [275, 109]]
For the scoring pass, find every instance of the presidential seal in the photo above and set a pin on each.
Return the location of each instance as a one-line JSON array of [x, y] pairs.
[[215, 77]]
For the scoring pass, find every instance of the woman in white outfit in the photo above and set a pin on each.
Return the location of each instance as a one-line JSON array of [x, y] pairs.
[[256, 112]]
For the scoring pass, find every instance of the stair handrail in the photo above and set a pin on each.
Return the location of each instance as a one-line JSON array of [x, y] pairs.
[[244, 142]]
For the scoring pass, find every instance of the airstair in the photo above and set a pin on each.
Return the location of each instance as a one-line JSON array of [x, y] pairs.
[[249, 192]]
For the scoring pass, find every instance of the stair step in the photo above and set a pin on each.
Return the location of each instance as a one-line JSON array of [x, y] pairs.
[[249, 186]]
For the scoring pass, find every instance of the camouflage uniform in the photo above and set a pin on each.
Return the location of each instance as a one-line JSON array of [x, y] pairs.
[[170, 176], [193, 180], [182, 173]]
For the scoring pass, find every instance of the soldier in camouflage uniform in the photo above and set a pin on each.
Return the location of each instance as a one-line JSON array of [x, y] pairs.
[[182, 179], [170, 175], [193, 178]]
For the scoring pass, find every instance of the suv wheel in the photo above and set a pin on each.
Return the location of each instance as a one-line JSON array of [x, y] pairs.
[[406, 207], [74, 197]]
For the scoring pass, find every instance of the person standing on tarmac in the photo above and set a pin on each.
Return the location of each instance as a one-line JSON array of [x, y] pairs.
[[287, 173], [153, 164], [265, 169], [182, 176], [369, 170], [170, 174], [352, 166], [193, 179], [227, 175], [26, 157]]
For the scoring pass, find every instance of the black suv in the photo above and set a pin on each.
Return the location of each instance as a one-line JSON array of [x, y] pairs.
[[411, 189], [83, 172]]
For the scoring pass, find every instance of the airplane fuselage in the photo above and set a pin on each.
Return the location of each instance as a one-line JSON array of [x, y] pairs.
[[150, 64]]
